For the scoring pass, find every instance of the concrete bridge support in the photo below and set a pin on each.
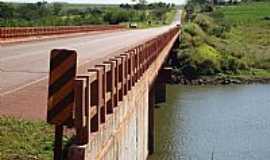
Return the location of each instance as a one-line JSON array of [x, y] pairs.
[[157, 94], [151, 120]]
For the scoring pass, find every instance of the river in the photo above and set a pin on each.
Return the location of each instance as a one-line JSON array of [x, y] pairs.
[[213, 123]]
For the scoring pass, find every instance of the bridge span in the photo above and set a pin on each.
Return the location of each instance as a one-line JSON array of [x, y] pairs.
[[114, 115], [115, 89]]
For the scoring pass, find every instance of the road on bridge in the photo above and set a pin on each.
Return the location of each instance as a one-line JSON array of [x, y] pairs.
[[24, 67]]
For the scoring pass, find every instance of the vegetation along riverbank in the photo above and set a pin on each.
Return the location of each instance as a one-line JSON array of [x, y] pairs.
[[223, 44]]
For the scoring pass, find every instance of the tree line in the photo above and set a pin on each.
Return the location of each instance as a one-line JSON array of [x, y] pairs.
[[58, 14]]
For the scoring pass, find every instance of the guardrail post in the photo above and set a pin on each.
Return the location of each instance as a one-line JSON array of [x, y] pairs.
[[110, 86], [82, 135], [121, 77], [116, 78], [103, 90], [95, 99], [126, 59]]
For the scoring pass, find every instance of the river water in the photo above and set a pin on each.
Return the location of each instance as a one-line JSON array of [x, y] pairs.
[[213, 123]]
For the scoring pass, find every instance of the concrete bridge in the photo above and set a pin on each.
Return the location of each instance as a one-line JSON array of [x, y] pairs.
[[115, 88], [120, 121]]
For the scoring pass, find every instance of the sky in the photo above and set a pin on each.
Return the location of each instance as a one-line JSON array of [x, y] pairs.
[[98, 1]]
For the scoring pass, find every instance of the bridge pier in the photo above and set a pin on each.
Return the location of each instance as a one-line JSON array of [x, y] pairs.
[[151, 121], [157, 94], [160, 84]]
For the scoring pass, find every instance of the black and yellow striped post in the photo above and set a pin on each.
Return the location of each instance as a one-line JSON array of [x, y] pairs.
[[63, 65]]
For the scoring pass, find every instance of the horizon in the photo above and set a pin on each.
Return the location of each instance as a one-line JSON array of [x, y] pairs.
[[177, 2]]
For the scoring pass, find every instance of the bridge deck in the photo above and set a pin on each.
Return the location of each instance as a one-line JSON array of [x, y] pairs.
[[24, 67]]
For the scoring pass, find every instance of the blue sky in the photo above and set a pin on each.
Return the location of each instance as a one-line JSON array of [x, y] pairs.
[[98, 1]]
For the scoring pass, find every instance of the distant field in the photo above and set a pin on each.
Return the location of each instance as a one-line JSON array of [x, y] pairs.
[[247, 13], [230, 40], [82, 6], [250, 36]]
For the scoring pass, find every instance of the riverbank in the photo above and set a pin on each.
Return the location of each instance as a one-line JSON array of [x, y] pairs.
[[219, 80], [229, 44]]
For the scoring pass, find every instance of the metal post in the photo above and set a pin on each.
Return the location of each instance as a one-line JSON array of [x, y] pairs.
[[58, 142]]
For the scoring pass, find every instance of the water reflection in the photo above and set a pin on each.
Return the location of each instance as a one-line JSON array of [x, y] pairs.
[[232, 122]]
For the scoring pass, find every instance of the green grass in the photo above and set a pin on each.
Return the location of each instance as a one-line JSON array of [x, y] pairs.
[[251, 74], [24, 140], [247, 13], [238, 34], [206, 52], [250, 36]]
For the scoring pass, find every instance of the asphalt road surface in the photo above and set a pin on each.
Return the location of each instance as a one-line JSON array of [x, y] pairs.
[[24, 67]]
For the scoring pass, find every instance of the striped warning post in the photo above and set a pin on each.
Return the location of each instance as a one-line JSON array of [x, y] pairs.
[[63, 65]]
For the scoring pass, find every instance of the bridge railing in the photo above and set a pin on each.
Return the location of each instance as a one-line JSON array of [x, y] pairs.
[[17, 32], [98, 92]]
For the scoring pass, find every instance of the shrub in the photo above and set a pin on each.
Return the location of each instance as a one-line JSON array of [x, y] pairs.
[[205, 22], [243, 65], [217, 15], [208, 8], [193, 29], [218, 31], [115, 16], [207, 59], [207, 67], [186, 40], [233, 64], [184, 57], [197, 41], [190, 71]]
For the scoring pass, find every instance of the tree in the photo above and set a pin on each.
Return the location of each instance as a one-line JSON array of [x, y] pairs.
[[125, 6], [57, 8], [6, 10], [143, 2], [116, 16]]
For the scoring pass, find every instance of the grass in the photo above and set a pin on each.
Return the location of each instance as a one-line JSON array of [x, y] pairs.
[[24, 140], [251, 74], [233, 40], [250, 36], [247, 13], [205, 51]]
